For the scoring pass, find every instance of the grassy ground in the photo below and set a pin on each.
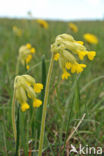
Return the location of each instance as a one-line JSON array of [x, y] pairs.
[[68, 100]]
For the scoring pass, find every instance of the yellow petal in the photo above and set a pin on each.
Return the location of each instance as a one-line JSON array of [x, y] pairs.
[[24, 106], [65, 75], [28, 45], [27, 67], [91, 55], [68, 65], [37, 103], [56, 56], [38, 87], [32, 50]]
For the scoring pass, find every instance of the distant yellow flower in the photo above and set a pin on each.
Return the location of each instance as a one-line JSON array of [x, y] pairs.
[[32, 50], [73, 27], [28, 45], [64, 48], [17, 31], [27, 67], [24, 89], [25, 54], [90, 38], [42, 23]]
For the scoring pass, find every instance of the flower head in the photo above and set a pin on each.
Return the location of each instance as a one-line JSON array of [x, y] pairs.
[[25, 54], [42, 23], [17, 31], [90, 38], [73, 27], [26, 87], [64, 49]]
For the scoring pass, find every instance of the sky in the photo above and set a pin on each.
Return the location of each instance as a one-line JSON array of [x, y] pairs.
[[53, 9]]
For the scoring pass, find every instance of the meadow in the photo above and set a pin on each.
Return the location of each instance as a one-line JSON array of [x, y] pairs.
[[68, 99]]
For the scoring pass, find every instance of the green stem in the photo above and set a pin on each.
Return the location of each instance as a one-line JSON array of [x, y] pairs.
[[45, 107], [13, 116]]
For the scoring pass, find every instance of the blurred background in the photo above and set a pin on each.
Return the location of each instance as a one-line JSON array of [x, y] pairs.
[[53, 9]]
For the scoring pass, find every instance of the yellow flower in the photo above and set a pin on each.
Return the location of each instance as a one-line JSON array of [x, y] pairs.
[[24, 89], [91, 55], [68, 65], [32, 50], [64, 49], [81, 54], [24, 107], [28, 45], [27, 67], [25, 54], [80, 67], [42, 23], [90, 38], [80, 42], [38, 87], [65, 75], [28, 59], [37, 103], [56, 56], [73, 27]]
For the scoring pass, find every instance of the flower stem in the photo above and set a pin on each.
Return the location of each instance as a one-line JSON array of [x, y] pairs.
[[13, 116], [45, 107]]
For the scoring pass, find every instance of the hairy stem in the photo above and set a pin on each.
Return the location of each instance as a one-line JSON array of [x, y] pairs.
[[45, 107]]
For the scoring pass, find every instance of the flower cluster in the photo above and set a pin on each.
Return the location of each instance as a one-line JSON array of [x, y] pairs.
[[90, 38], [26, 87], [42, 23], [25, 54], [63, 48], [73, 27], [17, 31]]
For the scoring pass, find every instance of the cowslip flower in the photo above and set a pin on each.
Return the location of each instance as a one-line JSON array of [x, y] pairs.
[[42, 23], [73, 27], [90, 38], [17, 31], [64, 49], [26, 88], [25, 54]]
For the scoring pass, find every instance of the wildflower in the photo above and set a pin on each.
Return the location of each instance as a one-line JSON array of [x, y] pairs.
[[42, 23], [65, 75], [27, 67], [28, 45], [90, 38], [65, 48], [73, 27], [24, 107], [56, 56], [26, 87], [91, 55], [17, 31], [37, 103], [25, 54], [38, 87]]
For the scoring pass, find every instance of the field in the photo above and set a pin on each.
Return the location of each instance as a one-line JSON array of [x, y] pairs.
[[68, 100]]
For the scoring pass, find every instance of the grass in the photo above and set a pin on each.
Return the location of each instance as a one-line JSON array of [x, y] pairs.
[[68, 100]]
